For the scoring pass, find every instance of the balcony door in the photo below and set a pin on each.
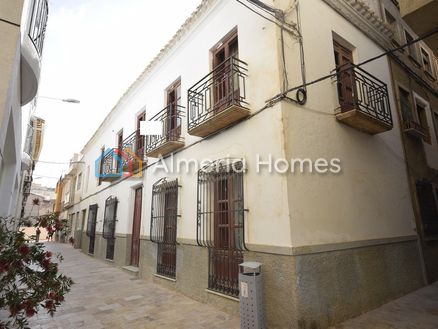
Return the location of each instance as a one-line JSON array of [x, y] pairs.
[[119, 148], [136, 224], [172, 124], [225, 82], [346, 85], [140, 140]]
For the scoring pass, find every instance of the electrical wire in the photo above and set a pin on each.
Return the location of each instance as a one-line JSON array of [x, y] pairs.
[[281, 25], [350, 66]]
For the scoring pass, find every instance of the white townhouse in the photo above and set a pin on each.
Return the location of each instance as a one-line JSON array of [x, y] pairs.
[[22, 30], [308, 178]]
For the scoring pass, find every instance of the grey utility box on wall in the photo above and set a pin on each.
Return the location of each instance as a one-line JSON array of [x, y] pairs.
[[252, 315]]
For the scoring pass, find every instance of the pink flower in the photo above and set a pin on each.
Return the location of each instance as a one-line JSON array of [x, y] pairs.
[[48, 254], [23, 249], [4, 266]]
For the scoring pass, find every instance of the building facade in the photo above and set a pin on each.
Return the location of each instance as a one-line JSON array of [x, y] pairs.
[[415, 86], [276, 147], [22, 28]]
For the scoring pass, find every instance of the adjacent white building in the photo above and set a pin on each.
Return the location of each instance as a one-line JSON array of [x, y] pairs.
[[22, 28]]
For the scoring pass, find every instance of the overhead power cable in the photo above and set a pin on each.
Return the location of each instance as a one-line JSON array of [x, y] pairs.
[[352, 65]]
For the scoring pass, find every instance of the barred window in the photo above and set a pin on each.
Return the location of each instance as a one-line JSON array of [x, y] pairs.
[[220, 222], [91, 222], [109, 225], [164, 214]]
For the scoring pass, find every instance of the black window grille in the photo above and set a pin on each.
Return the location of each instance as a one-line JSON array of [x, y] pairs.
[[164, 215], [109, 225], [428, 208], [91, 227], [38, 22], [220, 222]]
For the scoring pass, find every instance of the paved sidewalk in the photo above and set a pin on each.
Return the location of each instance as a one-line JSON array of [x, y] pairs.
[[418, 310], [105, 296]]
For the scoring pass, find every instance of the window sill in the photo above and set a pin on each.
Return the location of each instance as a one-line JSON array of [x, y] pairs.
[[222, 295], [164, 277]]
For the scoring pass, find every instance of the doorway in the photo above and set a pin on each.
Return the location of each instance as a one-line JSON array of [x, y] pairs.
[[226, 81], [136, 224], [346, 83]]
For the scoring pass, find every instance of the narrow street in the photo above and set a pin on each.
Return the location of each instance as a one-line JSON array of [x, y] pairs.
[[418, 310], [104, 296]]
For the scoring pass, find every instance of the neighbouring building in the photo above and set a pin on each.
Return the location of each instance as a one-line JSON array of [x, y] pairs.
[[44, 205], [421, 15], [31, 154], [22, 28], [307, 175], [69, 192], [416, 88]]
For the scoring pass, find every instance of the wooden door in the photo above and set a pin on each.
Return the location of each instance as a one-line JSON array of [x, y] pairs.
[[135, 245], [225, 256], [167, 248], [140, 140], [225, 82], [172, 125], [346, 84]]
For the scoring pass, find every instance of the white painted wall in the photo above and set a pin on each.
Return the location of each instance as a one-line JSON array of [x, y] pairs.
[[370, 198]]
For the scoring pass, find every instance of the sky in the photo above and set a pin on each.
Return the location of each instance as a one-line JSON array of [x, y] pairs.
[[93, 51]]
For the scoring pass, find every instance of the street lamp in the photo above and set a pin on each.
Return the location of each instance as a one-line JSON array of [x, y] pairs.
[[65, 100]]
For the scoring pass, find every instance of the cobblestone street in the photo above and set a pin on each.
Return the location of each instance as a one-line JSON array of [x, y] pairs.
[[104, 296]]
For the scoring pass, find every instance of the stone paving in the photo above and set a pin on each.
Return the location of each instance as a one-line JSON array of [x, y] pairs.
[[105, 296], [418, 310]]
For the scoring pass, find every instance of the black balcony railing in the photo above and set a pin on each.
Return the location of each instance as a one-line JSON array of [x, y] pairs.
[[38, 22], [171, 117], [396, 3], [366, 94], [218, 90], [109, 164], [133, 148]]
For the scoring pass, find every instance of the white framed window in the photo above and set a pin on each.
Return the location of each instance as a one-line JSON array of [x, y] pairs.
[[412, 49], [79, 182], [426, 60], [394, 25], [421, 111]]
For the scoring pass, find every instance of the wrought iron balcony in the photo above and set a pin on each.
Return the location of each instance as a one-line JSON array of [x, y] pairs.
[[218, 99], [133, 151], [110, 171], [364, 101], [171, 139], [415, 129]]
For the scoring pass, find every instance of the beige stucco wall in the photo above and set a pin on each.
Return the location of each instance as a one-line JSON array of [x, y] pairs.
[[370, 198]]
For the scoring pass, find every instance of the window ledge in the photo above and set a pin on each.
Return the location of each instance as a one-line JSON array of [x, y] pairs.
[[164, 277], [222, 295]]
